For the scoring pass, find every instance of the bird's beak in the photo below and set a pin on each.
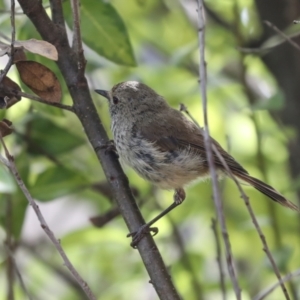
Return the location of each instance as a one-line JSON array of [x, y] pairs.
[[103, 93]]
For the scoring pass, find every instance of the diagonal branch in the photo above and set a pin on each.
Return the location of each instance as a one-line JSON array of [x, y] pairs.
[[209, 154], [9, 162], [255, 222], [13, 36], [270, 289], [86, 112]]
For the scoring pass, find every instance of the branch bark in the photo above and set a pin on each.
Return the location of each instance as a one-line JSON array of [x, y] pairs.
[[54, 32]]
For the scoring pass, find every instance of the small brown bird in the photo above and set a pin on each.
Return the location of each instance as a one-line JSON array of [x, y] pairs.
[[164, 147]]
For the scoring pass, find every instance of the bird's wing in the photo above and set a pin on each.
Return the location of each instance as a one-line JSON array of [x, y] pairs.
[[174, 131]]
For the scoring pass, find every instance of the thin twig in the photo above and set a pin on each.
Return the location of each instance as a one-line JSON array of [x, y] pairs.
[[39, 99], [277, 236], [58, 270], [18, 93], [219, 257], [275, 285], [258, 51], [282, 34], [209, 154], [8, 243], [254, 220], [13, 260], [260, 157], [13, 25], [184, 109], [13, 36], [9, 162]]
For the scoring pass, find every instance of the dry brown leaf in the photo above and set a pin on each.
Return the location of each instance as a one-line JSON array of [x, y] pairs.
[[5, 127], [40, 80], [39, 47], [7, 100]]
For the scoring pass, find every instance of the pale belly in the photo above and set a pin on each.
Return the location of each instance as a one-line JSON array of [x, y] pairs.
[[167, 170]]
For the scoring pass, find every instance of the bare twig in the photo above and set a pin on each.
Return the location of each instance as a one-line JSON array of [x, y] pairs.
[[53, 266], [13, 36], [38, 99], [258, 51], [13, 26], [260, 158], [275, 285], [16, 269], [9, 244], [18, 93], [184, 109], [209, 153], [282, 34], [254, 220], [9, 162], [219, 257]]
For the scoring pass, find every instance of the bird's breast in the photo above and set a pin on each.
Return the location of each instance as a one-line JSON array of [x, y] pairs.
[[167, 169]]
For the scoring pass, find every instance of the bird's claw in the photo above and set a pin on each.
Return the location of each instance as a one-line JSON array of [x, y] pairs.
[[140, 233]]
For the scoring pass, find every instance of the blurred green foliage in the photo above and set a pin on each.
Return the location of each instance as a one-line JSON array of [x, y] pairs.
[[59, 167]]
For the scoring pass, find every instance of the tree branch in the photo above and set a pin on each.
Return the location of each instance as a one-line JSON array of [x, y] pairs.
[[270, 289], [209, 154], [9, 162], [87, 114]]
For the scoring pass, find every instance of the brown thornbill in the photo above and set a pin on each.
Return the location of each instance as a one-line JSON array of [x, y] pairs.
[[164, 147]]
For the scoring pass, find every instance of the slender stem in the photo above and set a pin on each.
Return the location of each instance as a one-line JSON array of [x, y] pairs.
[[255, 222], [38, 99], [209, 154], [283, 35], [270, 289], [13, 36], [260, 159], [219, 258], [9, 162]]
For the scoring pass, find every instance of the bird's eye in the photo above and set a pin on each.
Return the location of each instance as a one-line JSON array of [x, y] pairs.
[[115, 100]]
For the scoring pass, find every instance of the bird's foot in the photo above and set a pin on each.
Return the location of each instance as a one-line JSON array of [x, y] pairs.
[[140, 233]]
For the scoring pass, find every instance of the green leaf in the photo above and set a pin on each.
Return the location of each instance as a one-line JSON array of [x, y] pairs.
[[103, 30], [45, 137], [56, 182], [276, 102]]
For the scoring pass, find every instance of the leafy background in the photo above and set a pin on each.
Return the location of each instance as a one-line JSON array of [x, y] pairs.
[[155, 42]]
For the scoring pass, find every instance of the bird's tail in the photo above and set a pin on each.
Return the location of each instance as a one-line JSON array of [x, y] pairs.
[[267, 190]]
